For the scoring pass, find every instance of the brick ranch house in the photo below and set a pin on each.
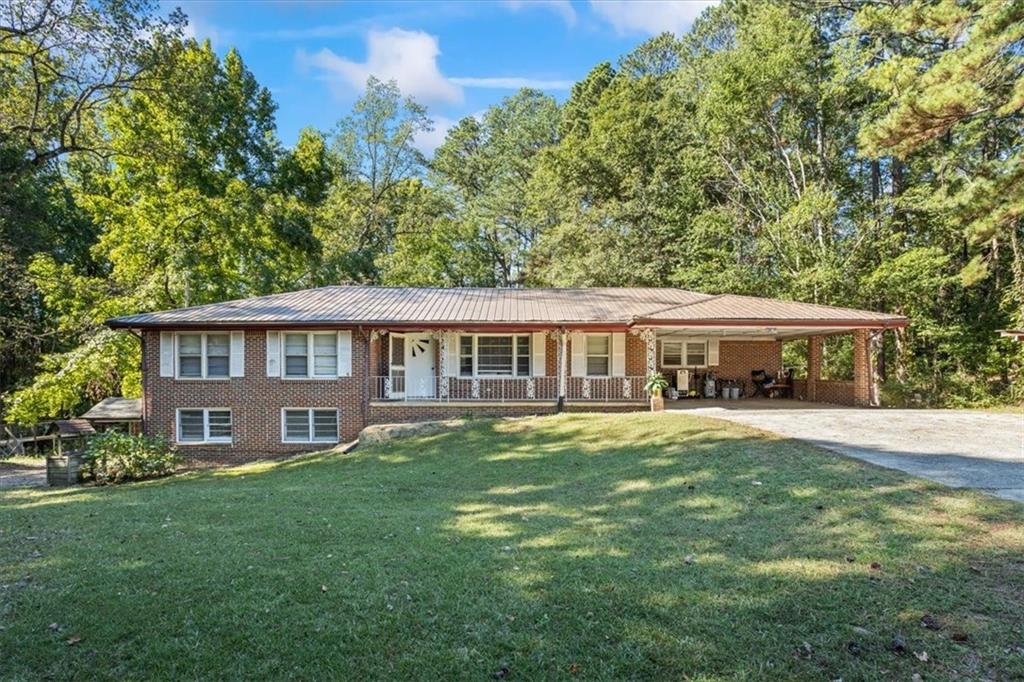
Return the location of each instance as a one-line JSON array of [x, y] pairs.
[[290, 372]]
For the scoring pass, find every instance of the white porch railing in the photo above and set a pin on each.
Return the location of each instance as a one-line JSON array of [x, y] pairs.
[[506, 389]]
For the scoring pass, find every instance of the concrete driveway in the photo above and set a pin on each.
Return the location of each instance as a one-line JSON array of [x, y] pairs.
[[960, 448]]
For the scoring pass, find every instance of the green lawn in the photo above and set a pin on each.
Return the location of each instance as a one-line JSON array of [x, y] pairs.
[[577, 546]]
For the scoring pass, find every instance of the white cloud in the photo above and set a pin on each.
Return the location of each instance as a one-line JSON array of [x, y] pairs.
[[427, 142], [406, 57], [202, 30], [512, 83], [561, 7], [410, 59], [650, 16]]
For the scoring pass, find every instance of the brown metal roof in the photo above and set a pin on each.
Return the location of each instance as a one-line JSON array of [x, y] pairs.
[[734, 307], [367, 305]]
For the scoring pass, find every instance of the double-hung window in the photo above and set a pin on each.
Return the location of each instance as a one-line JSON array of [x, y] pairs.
[[696, 353], [494, 356], [309, 425], [204, 356], [490, 355], [684, 353], [204, 425], [310, 354], [671, 353], [599, 348], [466, 356]]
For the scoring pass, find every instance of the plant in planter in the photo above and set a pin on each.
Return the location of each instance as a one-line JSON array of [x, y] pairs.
[[655, 386]]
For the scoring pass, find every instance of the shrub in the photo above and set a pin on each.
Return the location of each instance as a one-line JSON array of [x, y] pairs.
[[115, 457]]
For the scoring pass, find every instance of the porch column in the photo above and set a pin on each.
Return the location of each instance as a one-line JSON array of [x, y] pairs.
[[442, 364], [563, 338], [861, 368], [813, 366], [874, 363]]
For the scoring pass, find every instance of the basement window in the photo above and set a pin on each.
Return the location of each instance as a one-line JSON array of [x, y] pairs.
[[309, 425], [206, 425]]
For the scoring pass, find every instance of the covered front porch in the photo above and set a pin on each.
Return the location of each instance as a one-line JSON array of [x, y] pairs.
[[610, 366], [516, 367]]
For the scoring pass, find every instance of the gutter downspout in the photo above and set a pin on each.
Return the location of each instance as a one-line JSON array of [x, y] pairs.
[[143, 373]]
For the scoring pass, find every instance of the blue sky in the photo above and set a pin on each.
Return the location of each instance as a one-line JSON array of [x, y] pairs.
[[457, 58]]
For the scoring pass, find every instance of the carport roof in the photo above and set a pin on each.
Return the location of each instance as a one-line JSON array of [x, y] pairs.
[[438, 307]]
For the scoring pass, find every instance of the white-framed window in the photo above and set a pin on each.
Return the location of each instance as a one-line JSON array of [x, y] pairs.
[[203, 355], [495, 355], [466, 361], [599, 355], [204, 425], [310, 355], [688, 353], [309, 425], [696, 353]]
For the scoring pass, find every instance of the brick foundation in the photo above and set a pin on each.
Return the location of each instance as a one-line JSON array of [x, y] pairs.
[[401, 413]]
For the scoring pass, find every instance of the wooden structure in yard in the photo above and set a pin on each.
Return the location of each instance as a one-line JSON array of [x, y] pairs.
[[64, 464], [116, 413]]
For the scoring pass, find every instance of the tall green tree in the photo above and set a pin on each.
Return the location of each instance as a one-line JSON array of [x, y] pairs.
[[617, 189], [377, 170], [190, 211], [958, 97], [61, 61], [488, 166]]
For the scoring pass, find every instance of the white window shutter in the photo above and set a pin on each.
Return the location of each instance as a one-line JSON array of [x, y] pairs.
[[345, 354], [579, 354], [237, 354], [713, 352], [273, 354], [167, 354], [618, 354], [538, 344], [452, 361]]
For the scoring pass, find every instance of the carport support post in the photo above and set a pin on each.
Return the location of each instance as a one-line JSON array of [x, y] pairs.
[[875, 360], [861, 368], [813, 366]]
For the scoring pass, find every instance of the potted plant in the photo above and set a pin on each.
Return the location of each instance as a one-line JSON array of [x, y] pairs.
[[656, 384]]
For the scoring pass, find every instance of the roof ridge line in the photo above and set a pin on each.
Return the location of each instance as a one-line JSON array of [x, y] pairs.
[[708, 297]]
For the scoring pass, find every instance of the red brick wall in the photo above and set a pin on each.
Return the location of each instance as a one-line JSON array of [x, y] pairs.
[[833, 392], [255, 401], [737, 359], [636, 356]]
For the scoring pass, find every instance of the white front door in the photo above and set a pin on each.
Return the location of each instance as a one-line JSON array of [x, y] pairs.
[[419, 366]]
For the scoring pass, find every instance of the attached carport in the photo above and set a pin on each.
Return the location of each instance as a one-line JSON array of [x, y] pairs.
[[734, 316]]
